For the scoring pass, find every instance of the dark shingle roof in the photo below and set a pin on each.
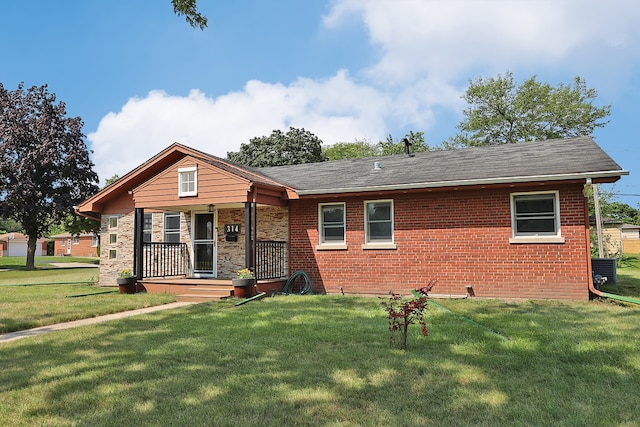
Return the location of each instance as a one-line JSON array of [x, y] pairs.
[[528, 161]]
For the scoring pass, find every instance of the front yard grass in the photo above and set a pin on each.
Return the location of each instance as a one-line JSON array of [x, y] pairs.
[[326, 361], [45, 296], [13, 271], [30, 306]]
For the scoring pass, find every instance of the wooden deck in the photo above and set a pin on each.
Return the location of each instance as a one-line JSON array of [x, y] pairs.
[[200, 290]]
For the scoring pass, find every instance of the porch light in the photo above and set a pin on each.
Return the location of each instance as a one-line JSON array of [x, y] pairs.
[[211, 208]]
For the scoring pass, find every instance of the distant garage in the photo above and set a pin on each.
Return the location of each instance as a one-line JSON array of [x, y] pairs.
[[15, 244]]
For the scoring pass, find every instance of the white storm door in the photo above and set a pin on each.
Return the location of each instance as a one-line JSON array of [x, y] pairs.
[[204, 245]]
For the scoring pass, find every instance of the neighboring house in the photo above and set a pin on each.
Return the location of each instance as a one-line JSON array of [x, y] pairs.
[[611, 236], [630, 238], [83, 245], [508, 221], [15, 244]]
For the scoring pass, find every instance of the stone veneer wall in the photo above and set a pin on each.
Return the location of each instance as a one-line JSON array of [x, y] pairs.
[[110, 268], [273, 224]]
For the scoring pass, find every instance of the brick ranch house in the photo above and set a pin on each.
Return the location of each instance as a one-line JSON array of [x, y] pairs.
[[82, 245], [510, 221]]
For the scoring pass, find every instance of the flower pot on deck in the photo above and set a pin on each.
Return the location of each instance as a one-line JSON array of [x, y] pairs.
[[243, 288], [127, 285]]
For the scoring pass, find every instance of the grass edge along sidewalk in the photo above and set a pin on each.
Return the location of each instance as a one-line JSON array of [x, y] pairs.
[[12, 336]]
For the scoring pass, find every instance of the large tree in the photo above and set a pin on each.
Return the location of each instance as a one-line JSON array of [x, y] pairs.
[[44, 162], [189, 9], [291, 148], [502, 112]]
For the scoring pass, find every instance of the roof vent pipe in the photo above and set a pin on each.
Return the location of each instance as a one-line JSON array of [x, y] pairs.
[[376, 166]]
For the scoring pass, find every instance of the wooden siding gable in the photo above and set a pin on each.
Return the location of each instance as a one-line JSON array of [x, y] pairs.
[[215, 185]]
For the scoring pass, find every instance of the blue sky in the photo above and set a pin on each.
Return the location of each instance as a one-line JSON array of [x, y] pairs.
[[141, 78]]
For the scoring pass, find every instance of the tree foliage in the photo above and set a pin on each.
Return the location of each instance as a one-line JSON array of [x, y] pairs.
[[359, 149], [501, 112], [189, 9], [291, 148], [350, 150], [391, 146], [44, 163]]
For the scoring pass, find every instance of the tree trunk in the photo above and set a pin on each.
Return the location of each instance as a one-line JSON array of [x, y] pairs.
[[31, 251]]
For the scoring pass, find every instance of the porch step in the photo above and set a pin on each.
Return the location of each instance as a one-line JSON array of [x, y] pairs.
[[205, 293]]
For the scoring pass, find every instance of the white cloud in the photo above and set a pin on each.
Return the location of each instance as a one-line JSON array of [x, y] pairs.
[[447, 39], [428, 50], [331, 109]]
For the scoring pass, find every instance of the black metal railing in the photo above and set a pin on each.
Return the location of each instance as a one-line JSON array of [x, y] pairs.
[[161, 259], [271, 259]]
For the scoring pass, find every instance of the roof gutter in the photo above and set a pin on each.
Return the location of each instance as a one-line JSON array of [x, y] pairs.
[[467, 182], [77, 212]]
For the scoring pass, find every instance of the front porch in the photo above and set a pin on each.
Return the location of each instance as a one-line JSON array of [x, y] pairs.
[[202, 290]]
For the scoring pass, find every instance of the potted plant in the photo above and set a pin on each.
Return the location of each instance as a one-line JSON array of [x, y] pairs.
[[244, 283], [127, 282]]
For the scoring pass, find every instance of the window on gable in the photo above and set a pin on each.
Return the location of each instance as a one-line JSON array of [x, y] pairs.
[[332, 224], [535, 215], [188, 182], [172, 227], [379, 223]]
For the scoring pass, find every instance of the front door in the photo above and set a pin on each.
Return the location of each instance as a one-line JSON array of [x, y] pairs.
[[69, 246], [204, 245]]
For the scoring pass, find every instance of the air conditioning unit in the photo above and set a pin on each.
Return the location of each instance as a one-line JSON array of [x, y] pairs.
[[605, 267]]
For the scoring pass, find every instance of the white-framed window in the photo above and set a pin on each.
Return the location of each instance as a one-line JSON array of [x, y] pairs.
[[535, 217], [172, 227], [332, 226], [378, 224], [95, 241], [76, 240], [113, 222], [188, 181], [147, 226]]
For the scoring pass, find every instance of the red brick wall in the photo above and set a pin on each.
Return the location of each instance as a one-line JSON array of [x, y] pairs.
[[81, 249], [459, 238]]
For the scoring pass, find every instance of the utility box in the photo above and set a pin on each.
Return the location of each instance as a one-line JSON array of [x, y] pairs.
[[605, 267]]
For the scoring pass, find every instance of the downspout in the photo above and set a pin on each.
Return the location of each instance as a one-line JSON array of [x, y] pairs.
[[592, 288]]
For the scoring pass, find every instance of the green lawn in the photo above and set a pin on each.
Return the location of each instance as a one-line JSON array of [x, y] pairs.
[[628, 272], [13, 272], [51, 295], [326, 360]]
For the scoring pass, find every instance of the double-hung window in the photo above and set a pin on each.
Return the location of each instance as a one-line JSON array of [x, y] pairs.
[[332, 226], [147, 228], [172, 227], [378, 222], [188, 181], [535, 217]]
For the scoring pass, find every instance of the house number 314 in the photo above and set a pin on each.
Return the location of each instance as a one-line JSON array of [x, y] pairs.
[[231, 228]]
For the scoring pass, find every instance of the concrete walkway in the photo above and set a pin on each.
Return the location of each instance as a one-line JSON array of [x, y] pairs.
[[12, 336]]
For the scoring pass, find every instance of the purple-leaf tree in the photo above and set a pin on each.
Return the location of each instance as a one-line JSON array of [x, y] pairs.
[[402, 312], [45, 168]]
